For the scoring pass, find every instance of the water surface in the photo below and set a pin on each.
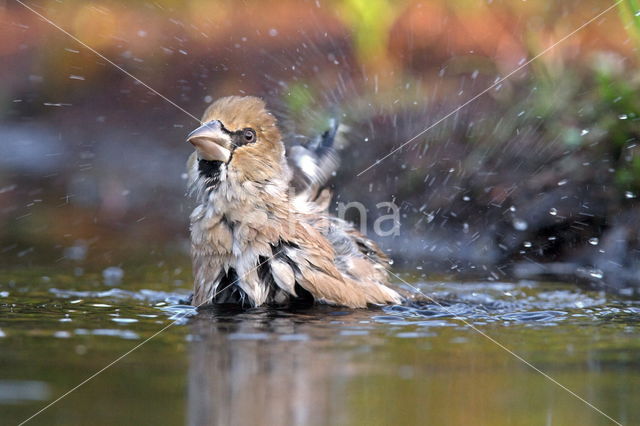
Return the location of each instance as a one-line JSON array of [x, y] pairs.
[[395, 365]]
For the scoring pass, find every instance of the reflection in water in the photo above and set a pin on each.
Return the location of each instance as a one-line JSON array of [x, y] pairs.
[[409, 364], [319, 365], [260, 368]]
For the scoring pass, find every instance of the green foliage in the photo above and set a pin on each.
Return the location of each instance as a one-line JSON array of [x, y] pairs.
[[370, 22], [630, 13], [299, 98]]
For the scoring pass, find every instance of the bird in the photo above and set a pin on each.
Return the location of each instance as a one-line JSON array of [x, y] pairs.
[[260, 232]]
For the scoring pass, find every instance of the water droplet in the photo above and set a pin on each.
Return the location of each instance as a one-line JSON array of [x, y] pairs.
[[584, 132], [273, 32], [466, 198], [594, 241], [596, 273], [562, 182], [629, 195], [520, 225], [76, 252], [112, 275], [61, 334], [124, 320], [623, 116], [527, 244], [553, 211]]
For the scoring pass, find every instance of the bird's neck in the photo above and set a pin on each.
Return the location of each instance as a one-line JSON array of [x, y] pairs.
[[210, 170], [239, 200]]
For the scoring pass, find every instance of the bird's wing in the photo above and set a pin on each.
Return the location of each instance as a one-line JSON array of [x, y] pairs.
[[328, 263], [315, 162]]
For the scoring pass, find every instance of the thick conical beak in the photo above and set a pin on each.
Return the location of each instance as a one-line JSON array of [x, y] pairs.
[[211, 142]]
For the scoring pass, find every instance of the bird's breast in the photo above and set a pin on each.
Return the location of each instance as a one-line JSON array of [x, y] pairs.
[[211, 235], [234, 231]]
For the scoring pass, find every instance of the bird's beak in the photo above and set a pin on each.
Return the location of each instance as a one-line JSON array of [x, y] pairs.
[[211, 142]]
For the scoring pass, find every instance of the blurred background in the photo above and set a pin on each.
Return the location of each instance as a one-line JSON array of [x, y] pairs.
[[538, 177]]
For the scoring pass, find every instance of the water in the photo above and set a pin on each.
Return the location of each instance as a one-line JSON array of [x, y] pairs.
[[397, 365]]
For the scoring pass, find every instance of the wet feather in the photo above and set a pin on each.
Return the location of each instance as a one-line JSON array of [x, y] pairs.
[[258, 238]]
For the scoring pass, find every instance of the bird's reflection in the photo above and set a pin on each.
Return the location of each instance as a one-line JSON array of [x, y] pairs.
[[264, 366]]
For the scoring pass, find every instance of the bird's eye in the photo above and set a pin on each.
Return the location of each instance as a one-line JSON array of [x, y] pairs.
[[248, 135]]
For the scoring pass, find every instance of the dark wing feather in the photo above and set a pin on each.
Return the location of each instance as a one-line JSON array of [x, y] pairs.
[[314, 162]]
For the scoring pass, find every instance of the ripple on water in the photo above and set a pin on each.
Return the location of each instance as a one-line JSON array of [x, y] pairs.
[[502, 303], [21, 391], [124, 320], [294, 337], [152, 296], [112, 332], [248, 336], [477, 303], [534, 316]]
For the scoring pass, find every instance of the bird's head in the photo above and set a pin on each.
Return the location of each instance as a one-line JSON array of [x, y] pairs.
[[240, 138]]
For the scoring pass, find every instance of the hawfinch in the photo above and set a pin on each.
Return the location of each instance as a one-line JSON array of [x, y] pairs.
[[254, 238]]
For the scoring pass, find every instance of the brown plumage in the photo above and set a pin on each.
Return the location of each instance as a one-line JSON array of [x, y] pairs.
[[254, 239]]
